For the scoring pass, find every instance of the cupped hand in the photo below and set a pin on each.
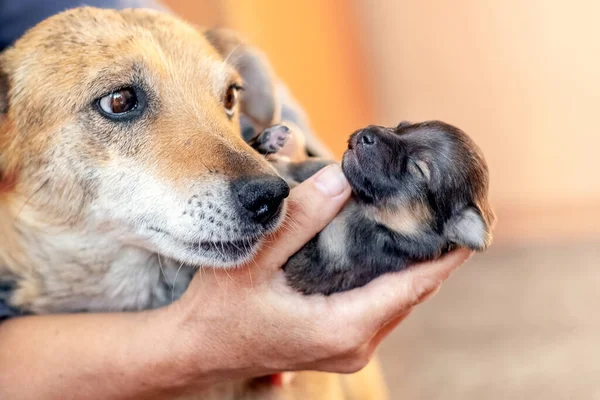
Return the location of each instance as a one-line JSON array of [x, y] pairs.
[[254, 324]]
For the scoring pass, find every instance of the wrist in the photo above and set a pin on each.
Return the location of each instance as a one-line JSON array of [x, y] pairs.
[[153, 356], [177, 350], [203, 348]]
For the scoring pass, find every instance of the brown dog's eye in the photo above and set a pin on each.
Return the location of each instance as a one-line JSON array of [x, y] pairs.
[[119, 102], [231, 99]]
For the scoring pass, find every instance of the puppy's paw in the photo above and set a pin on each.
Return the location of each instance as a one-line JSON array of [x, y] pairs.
[[272, 139]]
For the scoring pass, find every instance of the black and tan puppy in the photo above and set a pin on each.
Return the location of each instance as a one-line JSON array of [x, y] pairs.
[[419, 191]]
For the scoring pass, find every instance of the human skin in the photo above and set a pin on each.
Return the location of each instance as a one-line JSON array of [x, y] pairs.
[[230, 324]]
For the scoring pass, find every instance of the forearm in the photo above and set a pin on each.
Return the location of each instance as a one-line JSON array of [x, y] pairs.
[[86, 356]]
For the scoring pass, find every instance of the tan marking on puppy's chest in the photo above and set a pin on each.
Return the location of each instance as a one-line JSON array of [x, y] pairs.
[[406, 219]]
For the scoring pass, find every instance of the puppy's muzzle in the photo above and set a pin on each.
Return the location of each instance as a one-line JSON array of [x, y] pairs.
[[262, 196], [367, 137], [373, 145]]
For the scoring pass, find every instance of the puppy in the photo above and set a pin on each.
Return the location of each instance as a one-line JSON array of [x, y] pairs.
[[420, 190]]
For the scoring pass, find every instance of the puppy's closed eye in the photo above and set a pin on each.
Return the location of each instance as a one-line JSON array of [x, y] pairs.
[[419, 169]]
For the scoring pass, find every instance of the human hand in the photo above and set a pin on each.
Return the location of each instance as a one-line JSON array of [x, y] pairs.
[[248, 322]]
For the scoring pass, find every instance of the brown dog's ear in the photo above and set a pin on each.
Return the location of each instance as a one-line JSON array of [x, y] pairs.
[[3, 91], [469, 229], [3, 111], [258, 100]]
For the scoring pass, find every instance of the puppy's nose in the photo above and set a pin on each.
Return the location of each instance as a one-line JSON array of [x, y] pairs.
[[366, 137], [262, 196]]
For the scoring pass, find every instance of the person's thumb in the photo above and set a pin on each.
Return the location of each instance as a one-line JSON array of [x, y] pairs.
[[311, 206]]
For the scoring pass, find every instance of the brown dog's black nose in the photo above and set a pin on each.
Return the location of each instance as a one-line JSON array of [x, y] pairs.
[[262, 196]]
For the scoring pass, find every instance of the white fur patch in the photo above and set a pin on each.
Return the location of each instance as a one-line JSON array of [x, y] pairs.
[[468, 229]]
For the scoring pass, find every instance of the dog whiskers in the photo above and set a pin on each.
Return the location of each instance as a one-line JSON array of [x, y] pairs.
[[162, 271], [222, 254], [217, 280], [290, 225], [250, 275], [174, 281], [214, 270], [259, 298], [230, 277], [232, 52], [244, 249]]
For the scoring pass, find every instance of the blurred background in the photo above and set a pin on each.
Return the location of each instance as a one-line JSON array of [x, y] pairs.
[[523, 79]]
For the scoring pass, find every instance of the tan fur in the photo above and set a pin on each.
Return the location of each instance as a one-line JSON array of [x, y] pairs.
[[76, 189], [406, 219]]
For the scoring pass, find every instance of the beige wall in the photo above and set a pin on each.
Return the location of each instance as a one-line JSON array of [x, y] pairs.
[[522, 77]]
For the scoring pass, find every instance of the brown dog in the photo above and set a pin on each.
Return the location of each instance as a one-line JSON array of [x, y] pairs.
[[119, 140]]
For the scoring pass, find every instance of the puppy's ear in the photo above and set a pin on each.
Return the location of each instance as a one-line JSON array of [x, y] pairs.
[[258, 100], [403, 124], [470, 229]]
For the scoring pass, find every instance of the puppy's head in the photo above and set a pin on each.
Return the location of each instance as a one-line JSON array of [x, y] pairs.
[[425, 177], [127, 121]]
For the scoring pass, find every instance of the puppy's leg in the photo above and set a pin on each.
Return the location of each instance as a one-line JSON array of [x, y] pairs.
[[299, 171], [271, 140]]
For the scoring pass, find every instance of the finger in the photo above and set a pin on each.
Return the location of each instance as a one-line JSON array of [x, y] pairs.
[[392, 295], [387, 329], [311, 206]]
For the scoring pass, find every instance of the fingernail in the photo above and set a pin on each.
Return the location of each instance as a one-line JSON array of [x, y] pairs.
[[331, 181]]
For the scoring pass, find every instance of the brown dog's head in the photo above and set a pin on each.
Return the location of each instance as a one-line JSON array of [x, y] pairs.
[[126, 122]]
